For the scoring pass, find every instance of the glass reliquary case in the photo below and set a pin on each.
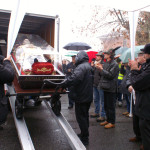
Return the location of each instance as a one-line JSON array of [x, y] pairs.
[[34, 60]]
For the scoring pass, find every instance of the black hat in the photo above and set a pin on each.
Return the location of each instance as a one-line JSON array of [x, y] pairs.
[[73, 56], [50, 61], [99, 53], [110, 52], [146, 49], [118, 60], [35, 60], [141, 51]]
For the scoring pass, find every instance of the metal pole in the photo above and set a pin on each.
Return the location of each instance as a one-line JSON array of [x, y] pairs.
[[130, 114], [58, 28]]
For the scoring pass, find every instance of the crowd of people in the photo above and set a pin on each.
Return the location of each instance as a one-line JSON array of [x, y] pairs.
[[105, 81], [113, 81]]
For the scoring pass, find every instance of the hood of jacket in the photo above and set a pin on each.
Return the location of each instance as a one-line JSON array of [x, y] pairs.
[[81, 57]]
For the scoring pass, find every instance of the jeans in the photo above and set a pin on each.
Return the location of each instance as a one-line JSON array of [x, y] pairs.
[[71, 102], [128, 97], [119, 95], [99, 101], [109, 104]]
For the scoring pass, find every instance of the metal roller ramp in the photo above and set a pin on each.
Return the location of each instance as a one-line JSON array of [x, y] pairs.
[[22, 130], [24, 136]]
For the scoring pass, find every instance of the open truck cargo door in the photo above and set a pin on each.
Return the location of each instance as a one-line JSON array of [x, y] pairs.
[[40, 32]]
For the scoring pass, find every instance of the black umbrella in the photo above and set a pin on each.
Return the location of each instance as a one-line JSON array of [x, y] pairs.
[[77, 46]]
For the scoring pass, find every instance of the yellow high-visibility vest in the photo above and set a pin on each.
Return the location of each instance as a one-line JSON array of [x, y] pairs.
[[120, 76]]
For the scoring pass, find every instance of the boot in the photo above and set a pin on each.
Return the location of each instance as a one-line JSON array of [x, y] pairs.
[[109, 125], [134, 139], [125, 113], [104, 123], [100, 119], [141, 147], [94, 115]]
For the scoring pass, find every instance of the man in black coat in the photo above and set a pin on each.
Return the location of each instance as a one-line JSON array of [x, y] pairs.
[[140, 80], [6, 76], [82, 81], [141, 61], [108, 83]]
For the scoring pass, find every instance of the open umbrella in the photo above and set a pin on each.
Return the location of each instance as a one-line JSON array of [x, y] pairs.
[[127, 54], [77, 46], [120, 50], [91, 54], [70, 53]]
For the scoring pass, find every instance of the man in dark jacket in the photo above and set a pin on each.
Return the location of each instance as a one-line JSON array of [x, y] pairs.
[[141, 61], [81, 79], [140, 80], [108, 83], [69, 70], [6, 76]]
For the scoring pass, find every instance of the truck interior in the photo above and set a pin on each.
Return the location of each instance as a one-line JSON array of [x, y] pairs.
[[44, 26], [36, 26]]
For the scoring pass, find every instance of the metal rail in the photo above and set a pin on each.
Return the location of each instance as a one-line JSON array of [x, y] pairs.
[[23, 134], [71, 136]]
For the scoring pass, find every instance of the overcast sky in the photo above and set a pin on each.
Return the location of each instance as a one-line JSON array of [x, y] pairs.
[[68, 12]]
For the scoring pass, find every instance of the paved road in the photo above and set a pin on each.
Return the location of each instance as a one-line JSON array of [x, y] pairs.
[[46, 135]]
